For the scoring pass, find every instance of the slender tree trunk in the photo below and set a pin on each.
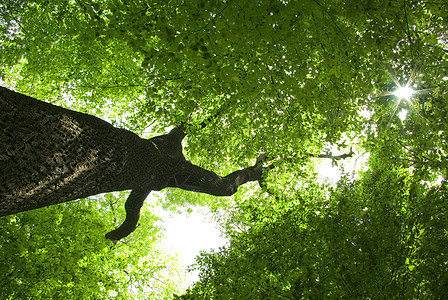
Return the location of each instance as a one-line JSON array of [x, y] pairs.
[[50, 155]]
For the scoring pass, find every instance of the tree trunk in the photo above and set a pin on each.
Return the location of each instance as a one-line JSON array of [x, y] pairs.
[[50, 155]]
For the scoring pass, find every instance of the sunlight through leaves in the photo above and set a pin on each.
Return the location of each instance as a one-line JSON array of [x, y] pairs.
[[404, 93]]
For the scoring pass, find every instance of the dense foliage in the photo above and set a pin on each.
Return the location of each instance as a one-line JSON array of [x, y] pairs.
[[60, 252], [383, 236], [290, 78]]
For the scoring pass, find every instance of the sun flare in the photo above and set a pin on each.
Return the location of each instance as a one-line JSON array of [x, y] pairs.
[[404, 93]]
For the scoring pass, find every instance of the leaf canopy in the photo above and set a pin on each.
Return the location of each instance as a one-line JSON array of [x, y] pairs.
[[290, 78]]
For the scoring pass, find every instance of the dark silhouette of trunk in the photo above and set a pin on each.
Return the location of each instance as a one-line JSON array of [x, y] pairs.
[[50, 155]]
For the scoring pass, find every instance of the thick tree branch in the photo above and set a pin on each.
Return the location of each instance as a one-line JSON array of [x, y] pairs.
[[133, 206], [194, 178]]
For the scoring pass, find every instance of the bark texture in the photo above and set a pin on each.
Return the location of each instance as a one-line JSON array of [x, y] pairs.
[[50, 155]]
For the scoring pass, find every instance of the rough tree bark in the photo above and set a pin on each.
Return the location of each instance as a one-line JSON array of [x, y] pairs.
[[50, 155]]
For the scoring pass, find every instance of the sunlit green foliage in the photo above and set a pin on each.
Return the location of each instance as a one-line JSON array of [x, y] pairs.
[[382, 236], [60, 252], [290, 78]]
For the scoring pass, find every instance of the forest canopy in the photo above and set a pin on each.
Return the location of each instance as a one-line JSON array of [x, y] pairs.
[[293, 79]]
